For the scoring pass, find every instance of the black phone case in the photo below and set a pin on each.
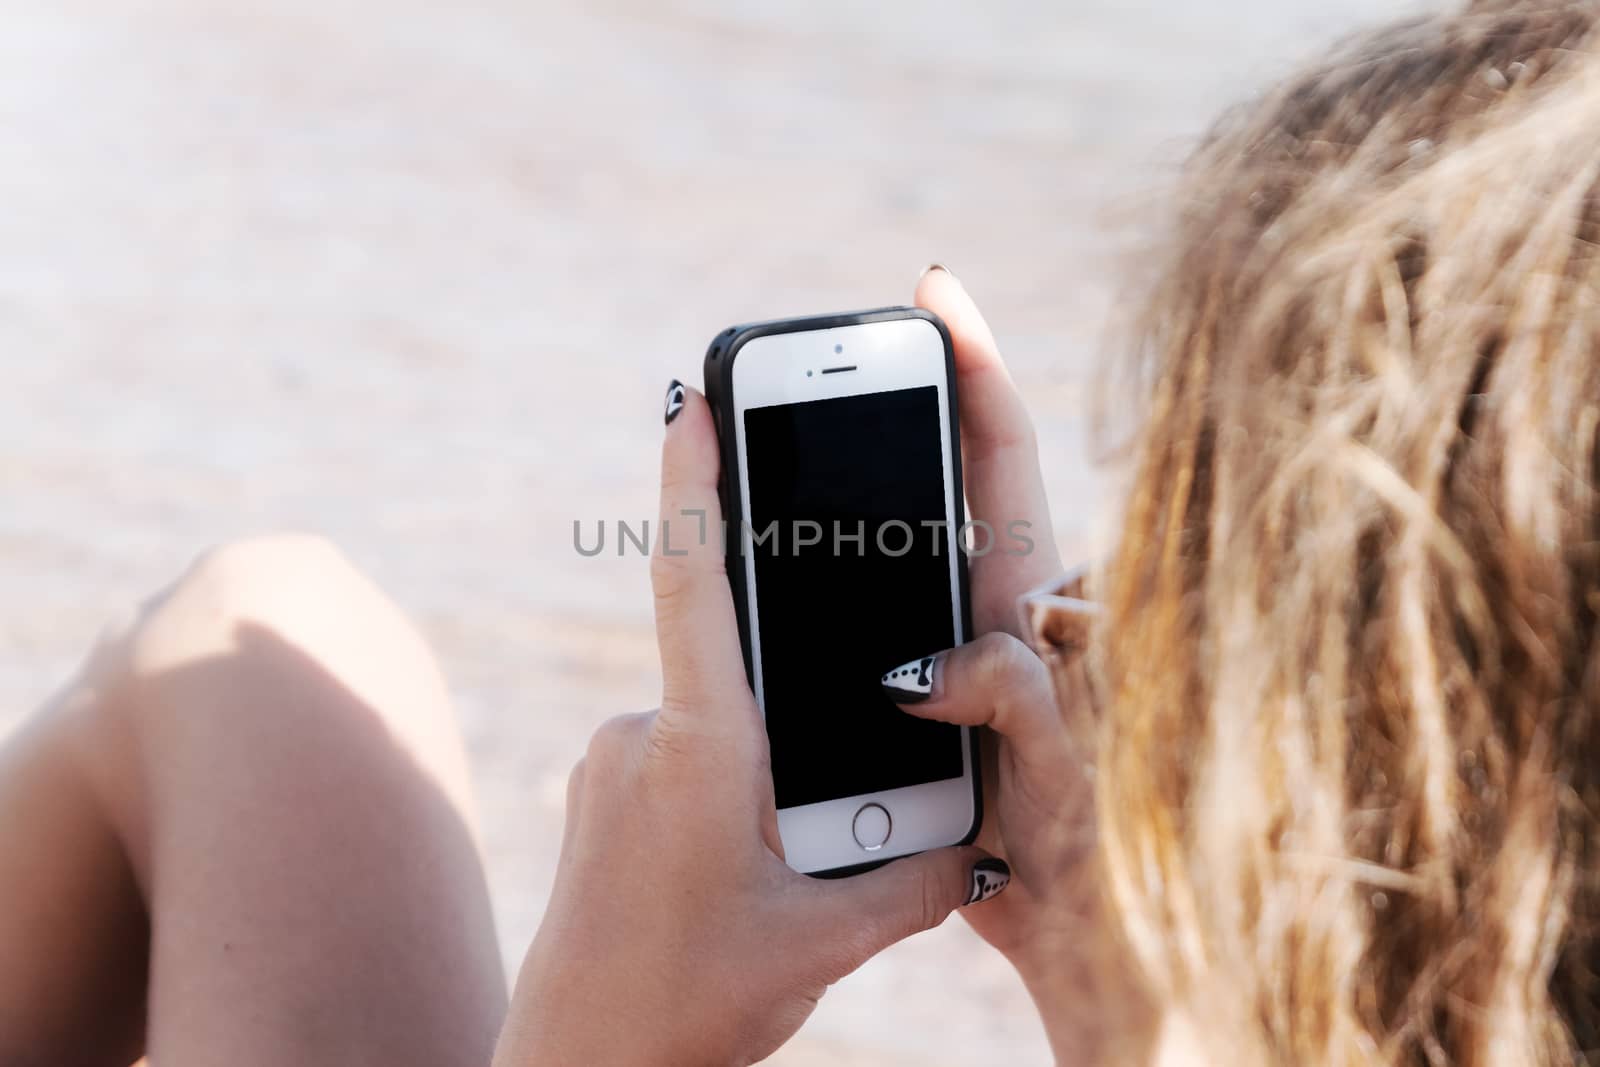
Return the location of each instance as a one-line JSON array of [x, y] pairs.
[[720, 355]]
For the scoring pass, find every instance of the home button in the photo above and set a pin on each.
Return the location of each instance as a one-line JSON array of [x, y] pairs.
[[872, 826]]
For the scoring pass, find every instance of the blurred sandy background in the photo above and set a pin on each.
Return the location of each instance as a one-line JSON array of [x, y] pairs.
[[415, 276]]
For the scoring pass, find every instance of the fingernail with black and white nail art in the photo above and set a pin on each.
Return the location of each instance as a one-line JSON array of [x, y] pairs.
[[989, 876], [674, 400], [911, 683]]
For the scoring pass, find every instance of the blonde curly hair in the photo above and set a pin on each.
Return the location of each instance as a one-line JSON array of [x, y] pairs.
[[1348, 782]]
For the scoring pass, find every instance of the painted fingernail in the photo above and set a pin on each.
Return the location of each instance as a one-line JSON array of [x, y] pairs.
[[936, 266], [989, 876], [911, 683], [674, 400]]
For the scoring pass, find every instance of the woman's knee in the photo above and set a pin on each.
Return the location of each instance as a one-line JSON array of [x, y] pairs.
[[281, 627], [297, 586]]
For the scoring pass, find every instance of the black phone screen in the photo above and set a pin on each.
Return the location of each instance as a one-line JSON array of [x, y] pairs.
[[850, 539]]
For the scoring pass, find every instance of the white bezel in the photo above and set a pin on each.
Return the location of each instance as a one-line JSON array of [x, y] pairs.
[[889, 355]]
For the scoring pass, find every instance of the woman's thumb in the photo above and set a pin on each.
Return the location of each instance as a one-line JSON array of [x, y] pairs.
[[916, 893]]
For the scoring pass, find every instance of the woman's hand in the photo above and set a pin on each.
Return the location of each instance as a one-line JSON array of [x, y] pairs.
[[1038, 804], [1047, 923], [999, 462], [675, 932]]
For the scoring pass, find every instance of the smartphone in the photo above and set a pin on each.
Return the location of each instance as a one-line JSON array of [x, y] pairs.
[[841, 489]]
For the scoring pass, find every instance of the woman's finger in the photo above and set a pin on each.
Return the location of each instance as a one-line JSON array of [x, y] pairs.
[[702, 667], [995, 681], [904, 897], [1000, 454]]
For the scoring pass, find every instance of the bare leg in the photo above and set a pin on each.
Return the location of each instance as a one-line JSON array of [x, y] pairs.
[[258, 787]]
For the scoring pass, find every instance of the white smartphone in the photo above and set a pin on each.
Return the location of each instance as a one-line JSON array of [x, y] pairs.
[[841, 488]]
